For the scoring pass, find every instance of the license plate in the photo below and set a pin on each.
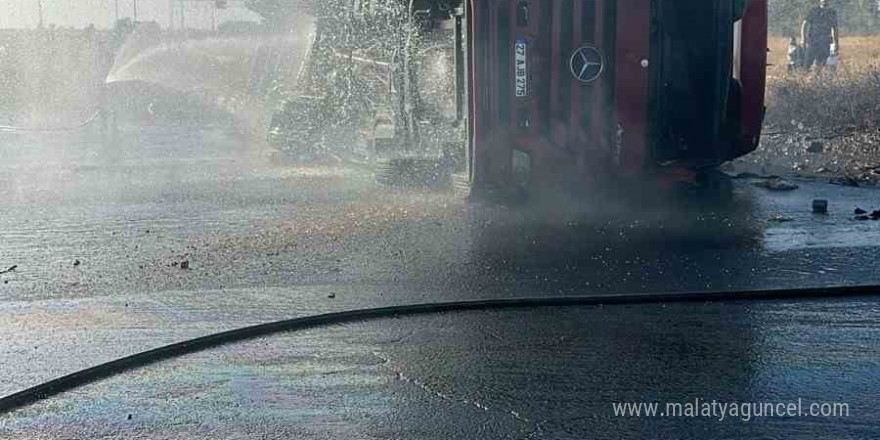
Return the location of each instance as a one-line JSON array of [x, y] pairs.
[[521, 68]]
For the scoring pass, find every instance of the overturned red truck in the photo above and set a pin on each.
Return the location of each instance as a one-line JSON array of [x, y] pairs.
[[521, 94]]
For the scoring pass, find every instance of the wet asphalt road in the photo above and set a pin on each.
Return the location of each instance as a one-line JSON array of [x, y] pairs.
[[266, 241]]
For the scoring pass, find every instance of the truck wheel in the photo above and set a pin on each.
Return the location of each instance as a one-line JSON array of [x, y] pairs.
[[381, 146], [303, 154], [413, 173]]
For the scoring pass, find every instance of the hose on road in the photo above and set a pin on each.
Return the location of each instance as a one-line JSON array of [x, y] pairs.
[[139, 360]]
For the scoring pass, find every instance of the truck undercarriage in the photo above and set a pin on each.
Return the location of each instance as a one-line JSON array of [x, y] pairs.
[[383, 83]]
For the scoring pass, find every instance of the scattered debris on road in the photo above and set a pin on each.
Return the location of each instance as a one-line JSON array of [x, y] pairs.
[[820, 206], [850, 152], [844, 181], [11, 269], [862, 215], [779, 218], [183, 264], [776, 184], [748, 175]]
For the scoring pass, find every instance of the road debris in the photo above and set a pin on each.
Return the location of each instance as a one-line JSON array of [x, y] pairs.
[[862, 215], [827, 170], [820, 206], [776, 184], [749, 175], [11, 269], [779, 218], [844, 181]]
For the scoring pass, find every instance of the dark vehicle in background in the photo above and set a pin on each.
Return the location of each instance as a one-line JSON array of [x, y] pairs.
[[522, 94]]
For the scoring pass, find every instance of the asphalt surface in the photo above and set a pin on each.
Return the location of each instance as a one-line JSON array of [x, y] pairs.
[[99, 234]]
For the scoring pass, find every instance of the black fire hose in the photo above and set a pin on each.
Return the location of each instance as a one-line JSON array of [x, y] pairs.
[[128, 363]]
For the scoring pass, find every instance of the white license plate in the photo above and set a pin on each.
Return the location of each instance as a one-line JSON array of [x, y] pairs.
[[521, 68]]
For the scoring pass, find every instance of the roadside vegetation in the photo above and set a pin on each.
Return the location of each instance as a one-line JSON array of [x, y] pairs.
[[823, 122], [845, 98]]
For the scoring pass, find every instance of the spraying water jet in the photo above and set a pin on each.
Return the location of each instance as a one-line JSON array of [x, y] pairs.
[[242, 74]]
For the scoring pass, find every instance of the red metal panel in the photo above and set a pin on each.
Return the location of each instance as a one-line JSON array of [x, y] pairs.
[[600, 107], [481, 84], [633, 47], [575, 112], [575, 134], [567, 134], [555, 38], [753, 74]]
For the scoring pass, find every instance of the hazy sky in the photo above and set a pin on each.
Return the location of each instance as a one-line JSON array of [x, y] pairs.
[[79, 13]]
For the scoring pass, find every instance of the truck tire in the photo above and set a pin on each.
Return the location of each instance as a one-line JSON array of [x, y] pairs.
[[413, 173]]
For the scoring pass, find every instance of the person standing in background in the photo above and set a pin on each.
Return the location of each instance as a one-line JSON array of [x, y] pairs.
[[796, 55], [820, 35]]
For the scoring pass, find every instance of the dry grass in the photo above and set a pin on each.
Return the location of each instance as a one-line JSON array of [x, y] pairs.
[[839, 112], [824, 101], [855, 51]]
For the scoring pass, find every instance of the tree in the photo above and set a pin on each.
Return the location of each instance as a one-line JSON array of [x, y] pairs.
[[276, 12]]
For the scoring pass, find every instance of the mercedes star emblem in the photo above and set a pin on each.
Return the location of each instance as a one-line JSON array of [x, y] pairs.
[[587, 64]]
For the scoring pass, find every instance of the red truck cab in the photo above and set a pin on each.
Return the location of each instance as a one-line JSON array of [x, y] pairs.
[[572, 91]]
